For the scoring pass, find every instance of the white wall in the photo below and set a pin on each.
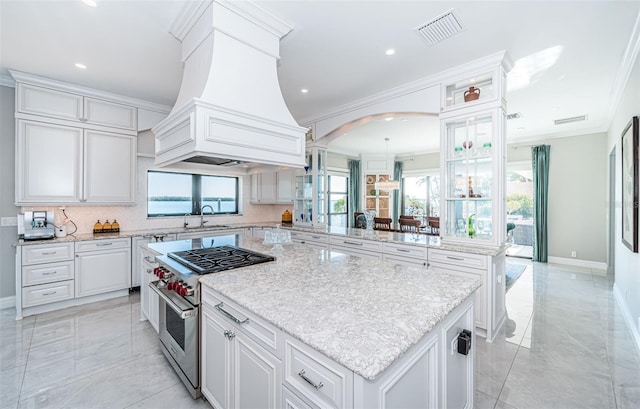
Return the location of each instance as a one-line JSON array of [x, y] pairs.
[[577, 212], [627, 264]]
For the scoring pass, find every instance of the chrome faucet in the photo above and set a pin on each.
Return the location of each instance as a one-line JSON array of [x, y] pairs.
[[202, 220]]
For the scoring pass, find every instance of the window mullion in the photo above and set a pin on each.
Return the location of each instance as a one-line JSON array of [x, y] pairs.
[[196, 191]]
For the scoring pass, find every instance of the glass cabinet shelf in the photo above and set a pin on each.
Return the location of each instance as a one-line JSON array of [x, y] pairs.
[[309, 205], [471, 202]]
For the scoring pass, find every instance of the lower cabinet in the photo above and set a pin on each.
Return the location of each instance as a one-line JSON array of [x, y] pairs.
[[236, 371], [490, 310], [315, 240], [102, 266], [254, 364], [356, 247], [149, 307]]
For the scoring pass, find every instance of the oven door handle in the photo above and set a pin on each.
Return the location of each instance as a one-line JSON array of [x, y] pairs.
[[185, 311]]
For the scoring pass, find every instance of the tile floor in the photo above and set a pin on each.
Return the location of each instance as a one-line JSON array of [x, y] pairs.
[[565, 345]]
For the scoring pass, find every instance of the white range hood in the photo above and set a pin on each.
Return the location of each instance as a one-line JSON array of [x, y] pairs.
[[230, 108]]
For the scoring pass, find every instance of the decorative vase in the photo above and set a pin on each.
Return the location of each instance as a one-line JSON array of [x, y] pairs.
[[471, 94], [470, 229]]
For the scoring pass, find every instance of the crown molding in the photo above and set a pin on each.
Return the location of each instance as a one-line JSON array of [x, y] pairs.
[[7, 81], [24, 77], [500, 58]]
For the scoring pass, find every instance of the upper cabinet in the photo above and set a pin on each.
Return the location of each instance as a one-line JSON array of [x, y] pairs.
[[64, 164], [310, 205], [55, 104], [473, 159], [74, 145]]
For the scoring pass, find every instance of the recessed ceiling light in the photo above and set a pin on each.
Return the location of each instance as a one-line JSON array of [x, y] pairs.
[[389, 118], [390, 51], [81, 66], [90, 3], [304, 90]]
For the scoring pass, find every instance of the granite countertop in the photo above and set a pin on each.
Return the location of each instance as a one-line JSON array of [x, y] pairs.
[[421, 240], [364, 314]]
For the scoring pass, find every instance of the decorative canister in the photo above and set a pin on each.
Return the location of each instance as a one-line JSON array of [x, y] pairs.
[[287, 218], [471, 94]]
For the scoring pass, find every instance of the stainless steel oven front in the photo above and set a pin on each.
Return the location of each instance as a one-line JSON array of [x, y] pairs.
[[179, 327]]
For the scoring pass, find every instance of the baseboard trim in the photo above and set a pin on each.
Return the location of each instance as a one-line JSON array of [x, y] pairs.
[[626, 314], [597, 267], [7, 302]]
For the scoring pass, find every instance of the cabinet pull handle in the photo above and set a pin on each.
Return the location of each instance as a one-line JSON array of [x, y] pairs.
[[149, 259], [229, 334], [51, 293], [404, 250], [48, 253], [229, 315], [48, 273], [315, 237], [455, 258], [148, 271], [352, 243], [103, 244], [309, 381]]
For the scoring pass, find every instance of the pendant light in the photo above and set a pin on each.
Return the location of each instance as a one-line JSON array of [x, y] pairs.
[[389, 184]]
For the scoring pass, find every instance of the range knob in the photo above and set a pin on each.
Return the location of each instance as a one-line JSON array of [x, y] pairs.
[[177, 286], [156, 271], [170, 285]]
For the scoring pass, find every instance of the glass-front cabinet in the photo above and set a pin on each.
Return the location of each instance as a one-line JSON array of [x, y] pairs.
[[311, 189], [473, 186]]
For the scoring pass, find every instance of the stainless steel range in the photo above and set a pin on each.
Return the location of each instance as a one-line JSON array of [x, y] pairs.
[[178, 289]]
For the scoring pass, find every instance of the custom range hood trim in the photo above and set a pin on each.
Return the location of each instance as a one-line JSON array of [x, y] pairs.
[[230, 104]]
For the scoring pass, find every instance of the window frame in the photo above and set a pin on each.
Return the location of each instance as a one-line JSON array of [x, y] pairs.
[[196, 194], [346, 194]]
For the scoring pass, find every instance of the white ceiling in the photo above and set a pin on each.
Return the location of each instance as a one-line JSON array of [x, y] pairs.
[[568, 56]]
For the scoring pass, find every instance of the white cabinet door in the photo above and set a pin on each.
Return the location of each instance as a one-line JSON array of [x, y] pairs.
[[48, 163], [216, 360], [47, 102], [109, 167], [102, 271], [257, 375], [263, 188], [286, 186], [112, 114], [149, 308]]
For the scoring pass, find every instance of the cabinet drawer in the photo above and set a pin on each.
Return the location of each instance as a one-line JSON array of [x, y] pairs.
[[404, 261], [46, 293], [366, 245], [106, 244], [254, 327], [316, 377], [457, 258], [47, 273], [405, 251], [47, 253]]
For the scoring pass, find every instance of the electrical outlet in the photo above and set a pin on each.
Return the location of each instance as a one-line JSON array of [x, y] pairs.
[[9, 221], [574, 254]]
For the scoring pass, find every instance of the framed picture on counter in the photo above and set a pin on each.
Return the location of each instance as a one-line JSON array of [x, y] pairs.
[[630, 185]]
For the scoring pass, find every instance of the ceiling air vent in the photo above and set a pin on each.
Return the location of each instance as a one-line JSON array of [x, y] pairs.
[[569, 120], [440, 28], [514, 116]]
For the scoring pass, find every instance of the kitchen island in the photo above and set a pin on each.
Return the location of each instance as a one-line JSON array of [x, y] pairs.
[[319, 328]]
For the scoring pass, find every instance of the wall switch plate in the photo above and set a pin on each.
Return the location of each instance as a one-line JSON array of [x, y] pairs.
[[574, 254], [9, 221]]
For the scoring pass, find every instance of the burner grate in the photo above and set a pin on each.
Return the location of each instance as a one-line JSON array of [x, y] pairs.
[[216, 259]]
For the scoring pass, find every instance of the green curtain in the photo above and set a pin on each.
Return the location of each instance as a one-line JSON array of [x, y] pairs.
[[354, 190], [540, 165], [397, 194]]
